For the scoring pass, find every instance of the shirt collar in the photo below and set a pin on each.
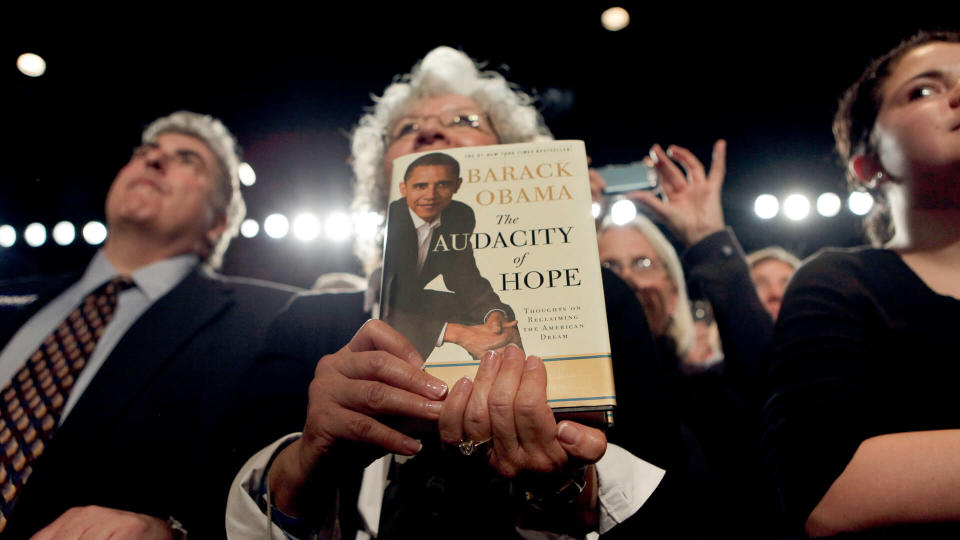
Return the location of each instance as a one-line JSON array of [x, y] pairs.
[[155, 280], [419, 222]]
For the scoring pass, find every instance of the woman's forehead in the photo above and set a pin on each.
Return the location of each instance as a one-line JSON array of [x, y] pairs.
[[929, 57]]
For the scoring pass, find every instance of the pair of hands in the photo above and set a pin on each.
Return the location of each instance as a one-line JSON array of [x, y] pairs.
[[493, 335], [359, 392], [692, 208]]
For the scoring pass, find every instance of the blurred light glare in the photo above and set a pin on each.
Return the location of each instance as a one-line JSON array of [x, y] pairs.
[[615, 18], [94, 233], [35, 235], [366, 224], [766, 206], [828, 204], [796, 207], [338, 226], [249, 228], [64, 233], [8, 236], [623, 212], [860, 203], [306, 227], [31, 65], [595, 210], [247, 176], [276, 226]]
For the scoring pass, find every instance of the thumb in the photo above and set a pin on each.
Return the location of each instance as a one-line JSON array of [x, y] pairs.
[[582, 443]]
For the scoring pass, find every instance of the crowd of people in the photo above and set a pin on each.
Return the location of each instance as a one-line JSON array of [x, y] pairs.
[[147, 396]]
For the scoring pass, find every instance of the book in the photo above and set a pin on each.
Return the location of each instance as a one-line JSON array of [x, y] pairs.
[[499, 242]]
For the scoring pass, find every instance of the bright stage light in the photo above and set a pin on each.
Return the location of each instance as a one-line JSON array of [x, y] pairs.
[[366, 225], [35, 235], [276, 226], [64, 233], [31, 65], [860, 203], [306, 227], [595, 210], [796, 207], [247, 176], [615, 18], [249, 228], [623, 212], [94, 233], [828, 204], [338, 227], [766, 206], [8, 236]]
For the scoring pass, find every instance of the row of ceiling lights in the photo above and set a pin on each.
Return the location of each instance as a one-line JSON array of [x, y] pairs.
[[307, 227]]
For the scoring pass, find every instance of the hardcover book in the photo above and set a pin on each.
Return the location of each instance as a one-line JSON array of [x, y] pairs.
[[496, 244]]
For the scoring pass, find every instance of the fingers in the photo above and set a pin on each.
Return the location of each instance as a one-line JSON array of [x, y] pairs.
[[718, 163], [450, 424], [671, 177], [695, 171], [582, 443], [476, 418], [361, 428], [597, 185], [534, 418], [388, 369], [376, 398], [377, 335], [501, 401]]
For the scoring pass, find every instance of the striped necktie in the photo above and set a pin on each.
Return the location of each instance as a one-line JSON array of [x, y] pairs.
[[33, 400]]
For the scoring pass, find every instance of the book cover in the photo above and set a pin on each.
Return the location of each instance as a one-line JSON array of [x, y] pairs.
[[497, 244]]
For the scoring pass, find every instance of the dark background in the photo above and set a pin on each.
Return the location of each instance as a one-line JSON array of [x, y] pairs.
[[291, 81]]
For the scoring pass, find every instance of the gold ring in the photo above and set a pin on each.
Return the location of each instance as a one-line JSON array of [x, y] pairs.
[[469, 446]]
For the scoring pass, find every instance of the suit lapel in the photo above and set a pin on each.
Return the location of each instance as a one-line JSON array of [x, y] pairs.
[[146, 348]]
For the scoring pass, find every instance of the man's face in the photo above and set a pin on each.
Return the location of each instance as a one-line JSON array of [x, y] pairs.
[[770, 277], [167, 189], [429, 190]]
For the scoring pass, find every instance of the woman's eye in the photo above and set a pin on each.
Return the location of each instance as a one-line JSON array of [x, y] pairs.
[[921, 92], [403, 129]]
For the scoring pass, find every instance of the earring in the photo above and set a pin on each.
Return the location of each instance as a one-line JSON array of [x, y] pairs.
[[875, 180]]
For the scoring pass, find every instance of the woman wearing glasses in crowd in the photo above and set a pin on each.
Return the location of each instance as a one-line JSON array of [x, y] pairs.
[[529, 473], [862, 429]]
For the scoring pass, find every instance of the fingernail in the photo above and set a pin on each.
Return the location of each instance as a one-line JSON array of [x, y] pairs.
[[434, 407], [513, 351], [532, 363], [437, 389], [670, 151], [412, 446], [568, 434], [653, 155], [489, 360]]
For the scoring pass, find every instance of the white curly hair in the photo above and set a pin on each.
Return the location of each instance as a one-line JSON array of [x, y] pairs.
[[227, 199], [442, 71]]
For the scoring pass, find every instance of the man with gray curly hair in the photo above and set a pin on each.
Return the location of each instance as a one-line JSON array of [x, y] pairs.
[[143, 359], [227, 201]]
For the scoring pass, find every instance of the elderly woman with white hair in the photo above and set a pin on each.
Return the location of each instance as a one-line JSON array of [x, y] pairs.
[[720, 404], [370, 399], [643, 257]]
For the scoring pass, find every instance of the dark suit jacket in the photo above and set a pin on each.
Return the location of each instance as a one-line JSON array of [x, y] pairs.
[[178, 406], [420, 314]]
